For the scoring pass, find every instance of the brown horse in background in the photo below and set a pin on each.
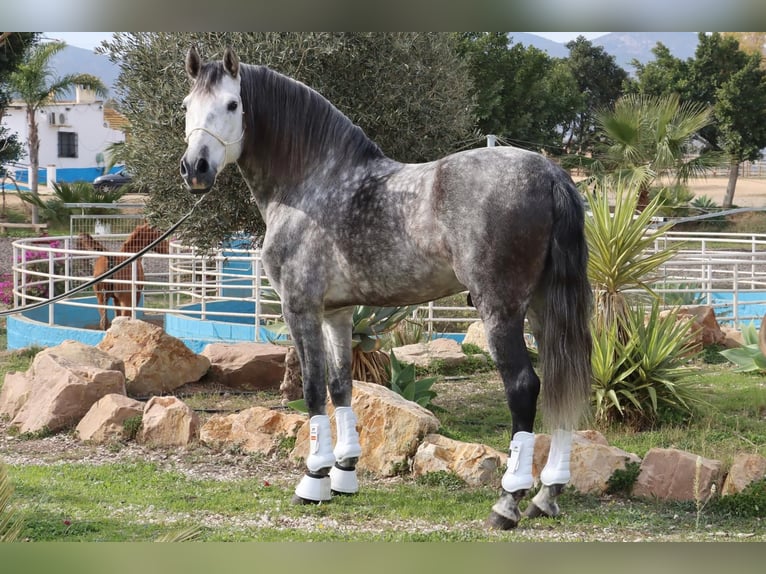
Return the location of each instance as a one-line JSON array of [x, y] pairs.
[[110, 288]]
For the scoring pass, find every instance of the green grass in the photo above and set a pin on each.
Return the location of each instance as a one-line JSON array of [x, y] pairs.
[[137, 500]]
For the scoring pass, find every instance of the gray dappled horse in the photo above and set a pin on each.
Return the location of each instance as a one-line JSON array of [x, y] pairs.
[[346, 225]]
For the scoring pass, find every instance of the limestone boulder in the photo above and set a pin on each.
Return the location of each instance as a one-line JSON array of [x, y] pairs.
[[168, 421], [705, 326], [476, 464], [155, 363], [672, 474], [476, 335], [246, 366], [732, 338], [105, 421], [745, 469], [56, 392], [443, 349], [390, 428], [254, 430], [592, 461]]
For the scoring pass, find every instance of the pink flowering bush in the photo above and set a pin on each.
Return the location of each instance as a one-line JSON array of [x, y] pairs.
[[36, 261]]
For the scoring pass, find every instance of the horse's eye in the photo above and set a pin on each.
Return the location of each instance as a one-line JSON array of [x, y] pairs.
[[232, 106]]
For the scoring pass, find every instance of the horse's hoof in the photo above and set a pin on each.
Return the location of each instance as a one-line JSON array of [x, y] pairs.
[[497, 521], [534, 511], [300, 501]]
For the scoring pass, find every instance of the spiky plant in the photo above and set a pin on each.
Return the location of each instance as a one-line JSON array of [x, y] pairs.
[[10, 522], [369, 362]]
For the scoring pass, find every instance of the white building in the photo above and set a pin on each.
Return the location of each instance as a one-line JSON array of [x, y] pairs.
[[74, 136]]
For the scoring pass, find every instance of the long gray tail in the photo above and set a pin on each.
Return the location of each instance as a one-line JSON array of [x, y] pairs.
[[565, 345]]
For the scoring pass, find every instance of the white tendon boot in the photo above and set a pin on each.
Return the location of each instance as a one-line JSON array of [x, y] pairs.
[[315, 484], [347, 450], [516, 481], [518, 475], [554, 476]]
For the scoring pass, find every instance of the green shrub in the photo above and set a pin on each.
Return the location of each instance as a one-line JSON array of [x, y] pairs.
[[647, 378], [623, 479], [751, 502], [748, 357]]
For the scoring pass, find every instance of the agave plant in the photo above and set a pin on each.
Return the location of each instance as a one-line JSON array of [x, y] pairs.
[[749, 357], [646, 378], [639, 360], [370, 324], [619, 240], [10, 522]]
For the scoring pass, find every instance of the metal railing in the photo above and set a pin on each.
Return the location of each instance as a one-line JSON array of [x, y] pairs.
[[726, 271]]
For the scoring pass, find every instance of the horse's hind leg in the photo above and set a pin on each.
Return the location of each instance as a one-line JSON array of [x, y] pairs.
[[505, 335], [555, 475], [337, 332]]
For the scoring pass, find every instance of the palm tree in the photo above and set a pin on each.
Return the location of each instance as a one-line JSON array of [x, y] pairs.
[[35, 83], [646, 142]]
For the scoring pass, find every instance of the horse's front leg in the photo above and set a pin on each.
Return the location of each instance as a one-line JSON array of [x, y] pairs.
[[337, 336], [102, 302], [306, 330]]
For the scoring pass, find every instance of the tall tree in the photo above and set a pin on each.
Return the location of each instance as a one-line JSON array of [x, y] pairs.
[[13, 46], [410, 92], [523, 95], [740, 110], [732, 82], [36, 84], [600, 80]]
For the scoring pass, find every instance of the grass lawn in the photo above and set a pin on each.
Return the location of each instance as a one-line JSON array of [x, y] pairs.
[[123, 492]]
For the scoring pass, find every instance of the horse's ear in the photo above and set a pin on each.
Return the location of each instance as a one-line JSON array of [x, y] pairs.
[[193, 62], [230, 62]]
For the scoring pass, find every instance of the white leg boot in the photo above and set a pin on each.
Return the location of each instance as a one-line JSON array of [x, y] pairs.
[[347, 451], [315, 484], [516, 481], [554, 476], [518, 474]]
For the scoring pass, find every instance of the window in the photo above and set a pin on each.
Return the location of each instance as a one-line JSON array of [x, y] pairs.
[[67, 144]]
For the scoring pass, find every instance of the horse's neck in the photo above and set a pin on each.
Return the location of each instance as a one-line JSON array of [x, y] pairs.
[[135, 244]]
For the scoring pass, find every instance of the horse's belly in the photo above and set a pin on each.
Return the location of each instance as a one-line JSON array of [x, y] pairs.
[[393, 288]]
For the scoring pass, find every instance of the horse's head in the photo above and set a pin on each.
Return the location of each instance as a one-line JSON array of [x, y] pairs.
[[214, 119]]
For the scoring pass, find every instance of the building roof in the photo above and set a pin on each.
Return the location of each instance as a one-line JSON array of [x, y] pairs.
[[115, 119]]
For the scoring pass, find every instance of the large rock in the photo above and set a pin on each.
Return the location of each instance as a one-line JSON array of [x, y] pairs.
[[155, 363], [105, 421], [254, 430], [56, 392], [592, 461], [705, 327], [745, 469], [246, 366], [390, 428], [168, 421], [443, 349], [672, 474], [476, 335], [476, 464]]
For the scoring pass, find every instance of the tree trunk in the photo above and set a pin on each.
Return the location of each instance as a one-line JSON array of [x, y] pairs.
[[728, 199], [33, 141]]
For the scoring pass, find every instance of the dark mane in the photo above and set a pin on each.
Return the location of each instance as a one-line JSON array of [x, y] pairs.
[[294, 128]]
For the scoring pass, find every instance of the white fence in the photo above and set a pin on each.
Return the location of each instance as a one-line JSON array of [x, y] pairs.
[[727, 271]]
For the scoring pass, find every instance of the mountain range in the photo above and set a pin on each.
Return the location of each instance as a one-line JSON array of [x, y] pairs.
[[624, 46]]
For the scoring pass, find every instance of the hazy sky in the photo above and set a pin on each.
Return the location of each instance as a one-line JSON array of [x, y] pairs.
[[90, 40]]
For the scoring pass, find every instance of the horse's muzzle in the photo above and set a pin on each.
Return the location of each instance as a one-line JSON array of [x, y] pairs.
[[198, 177]]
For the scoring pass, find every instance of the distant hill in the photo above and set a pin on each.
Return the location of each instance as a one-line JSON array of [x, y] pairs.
[[73, 60], [624, 46]]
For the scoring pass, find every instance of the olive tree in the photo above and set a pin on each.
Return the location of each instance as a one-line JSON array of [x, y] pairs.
[[408, 91]]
